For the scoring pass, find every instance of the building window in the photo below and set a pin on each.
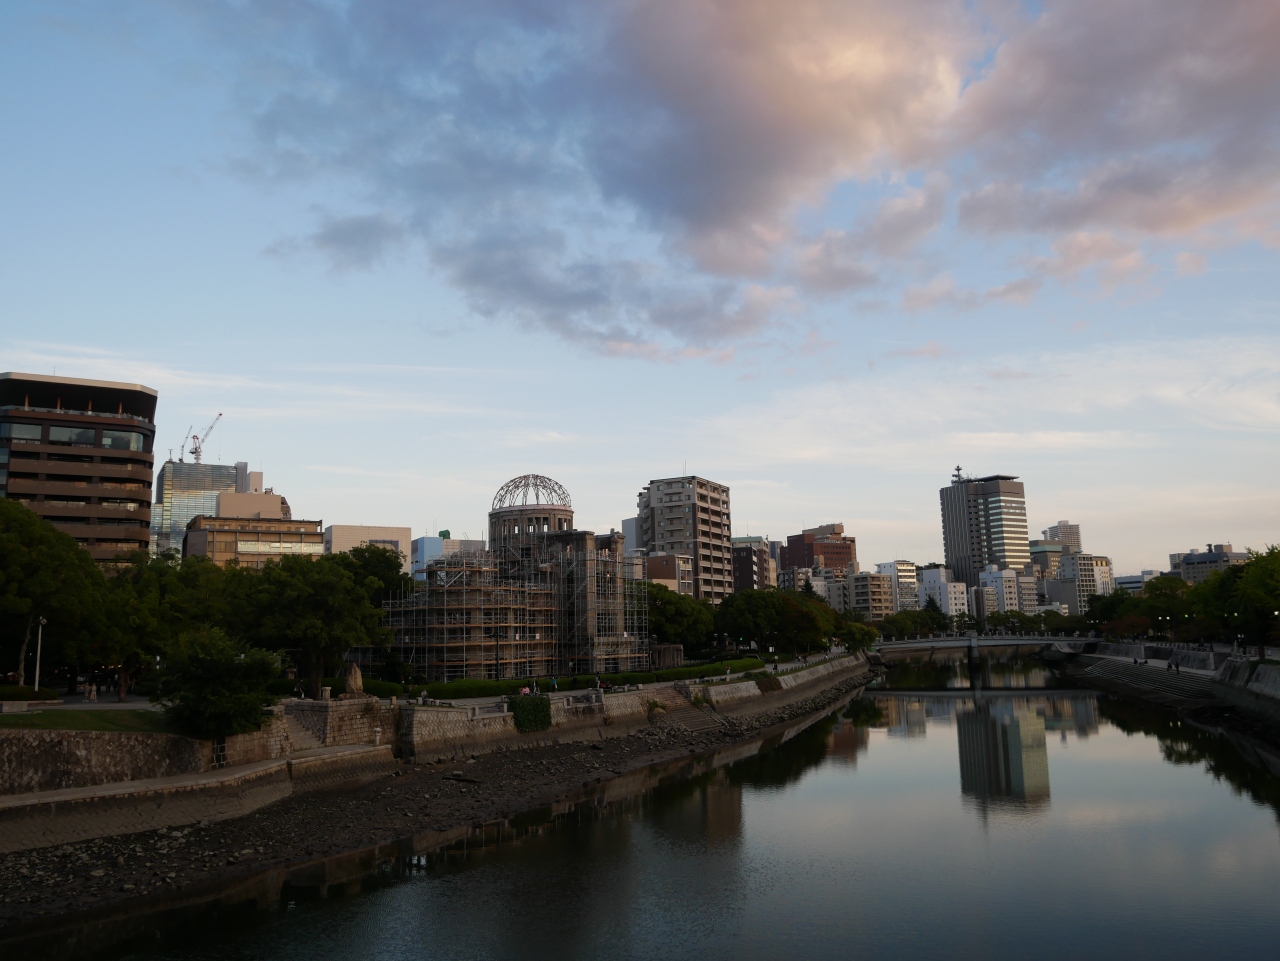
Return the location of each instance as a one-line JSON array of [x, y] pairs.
[[75, 436], [121, 439], [21, 433]]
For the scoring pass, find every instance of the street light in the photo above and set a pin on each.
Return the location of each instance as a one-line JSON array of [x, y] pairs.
[[39, 644]]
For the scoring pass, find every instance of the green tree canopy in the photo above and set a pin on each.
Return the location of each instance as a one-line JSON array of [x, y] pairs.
[[678, 618], [212, 686], [44, 573], [314, 606]]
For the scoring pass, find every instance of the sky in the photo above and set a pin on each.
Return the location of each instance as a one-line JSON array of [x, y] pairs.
[[823, 252]]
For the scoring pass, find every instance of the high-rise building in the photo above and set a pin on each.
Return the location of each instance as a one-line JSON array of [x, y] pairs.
[[185, 489], [984, 521], [1066, 532], [690, 515], [906, 589], [79, 454], [753, 568], [825, 546], [339, 538]]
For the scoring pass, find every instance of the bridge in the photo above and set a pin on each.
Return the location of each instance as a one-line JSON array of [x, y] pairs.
[[960, 642]]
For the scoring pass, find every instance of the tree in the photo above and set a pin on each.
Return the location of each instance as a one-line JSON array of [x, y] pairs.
[[314, 606], [212, 686], [44, 573], [678, 618], [152, 601], [379, 571]]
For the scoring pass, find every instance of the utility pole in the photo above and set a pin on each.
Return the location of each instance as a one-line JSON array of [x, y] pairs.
[[39, 643]]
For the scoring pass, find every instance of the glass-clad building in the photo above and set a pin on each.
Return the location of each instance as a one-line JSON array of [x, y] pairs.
[[183, 491]]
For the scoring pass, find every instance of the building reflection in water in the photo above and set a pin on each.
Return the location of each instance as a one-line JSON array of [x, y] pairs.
[[1003, 759], [710, 809], [847, 740], [1001, 737]]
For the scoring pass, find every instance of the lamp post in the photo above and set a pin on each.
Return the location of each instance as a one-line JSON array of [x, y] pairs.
[[39, 644]]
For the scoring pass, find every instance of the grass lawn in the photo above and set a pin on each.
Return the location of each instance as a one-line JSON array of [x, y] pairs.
[[143, 721]]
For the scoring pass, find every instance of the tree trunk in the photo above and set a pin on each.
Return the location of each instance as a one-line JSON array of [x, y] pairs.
[[122, 683], [22, 652]]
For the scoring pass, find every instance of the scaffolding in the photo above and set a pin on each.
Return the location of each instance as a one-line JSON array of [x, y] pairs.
[[523, 610]]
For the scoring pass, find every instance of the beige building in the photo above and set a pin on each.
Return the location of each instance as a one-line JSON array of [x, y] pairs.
[[672, 571], [690, 515], [253, 504], [251, 541], [340, 538], [863, 591]]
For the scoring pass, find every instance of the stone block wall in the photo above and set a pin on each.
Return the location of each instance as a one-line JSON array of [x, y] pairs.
[[355, 721], [736, 692], [36, 760], [271, 741]]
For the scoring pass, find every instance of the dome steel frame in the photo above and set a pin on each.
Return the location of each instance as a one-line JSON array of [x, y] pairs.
[[531, 490]]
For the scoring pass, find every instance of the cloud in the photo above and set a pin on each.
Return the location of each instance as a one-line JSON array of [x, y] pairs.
[[348, 243], [657, 178]]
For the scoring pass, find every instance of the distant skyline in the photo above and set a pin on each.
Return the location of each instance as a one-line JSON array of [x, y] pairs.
[[819, 251]]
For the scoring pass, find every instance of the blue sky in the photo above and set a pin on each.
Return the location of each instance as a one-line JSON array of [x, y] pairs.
[[820, 251]]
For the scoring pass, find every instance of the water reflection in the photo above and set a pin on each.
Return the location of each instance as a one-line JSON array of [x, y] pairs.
[[1003, 759]]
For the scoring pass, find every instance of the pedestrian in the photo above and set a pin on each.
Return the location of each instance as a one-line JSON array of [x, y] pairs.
[[93, 692], [554, 686], [597, 682], [1176, 669], [297, 690]]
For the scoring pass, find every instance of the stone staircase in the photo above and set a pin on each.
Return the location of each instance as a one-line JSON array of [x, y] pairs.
[[300, 738], [683, 712], [1156, 678]]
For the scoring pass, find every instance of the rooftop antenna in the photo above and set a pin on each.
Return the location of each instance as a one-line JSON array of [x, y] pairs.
[[197, 443], [182, 452]]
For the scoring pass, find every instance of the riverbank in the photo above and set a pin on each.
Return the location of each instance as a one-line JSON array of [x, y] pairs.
[[47, 891]]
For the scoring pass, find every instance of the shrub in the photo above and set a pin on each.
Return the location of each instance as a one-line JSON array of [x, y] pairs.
[[767, 683], [213, 686], [11, 692], [382, 688], [532, 712], [282, 686]]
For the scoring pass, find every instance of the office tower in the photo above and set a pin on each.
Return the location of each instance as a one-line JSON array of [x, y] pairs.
[[906, 589], [984, 521], [185, 489], [1004, 761], [79, 454], [690, 515]]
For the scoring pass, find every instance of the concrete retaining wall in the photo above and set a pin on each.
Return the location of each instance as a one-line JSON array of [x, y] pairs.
[[809, 674], [735, 693], [1250, 686], [49, 818]]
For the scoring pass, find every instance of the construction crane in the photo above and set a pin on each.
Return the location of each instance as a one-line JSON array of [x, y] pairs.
[[197, 442]]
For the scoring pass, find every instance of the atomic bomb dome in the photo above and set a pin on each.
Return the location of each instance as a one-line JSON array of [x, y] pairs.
[[530, 489], [528, 505]]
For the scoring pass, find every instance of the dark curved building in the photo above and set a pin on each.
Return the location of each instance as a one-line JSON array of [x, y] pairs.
[[79, 454]]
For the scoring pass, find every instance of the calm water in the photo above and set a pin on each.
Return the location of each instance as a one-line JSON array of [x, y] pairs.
[[1032, 824]]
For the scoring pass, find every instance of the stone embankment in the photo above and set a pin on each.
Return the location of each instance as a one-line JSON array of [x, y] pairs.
[[442, 792]]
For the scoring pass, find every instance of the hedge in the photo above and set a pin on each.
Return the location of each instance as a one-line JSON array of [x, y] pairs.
[[286, 686], [531, 712], [11, 692]]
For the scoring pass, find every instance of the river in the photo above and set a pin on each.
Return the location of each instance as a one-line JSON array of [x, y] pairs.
[[954, 814]]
